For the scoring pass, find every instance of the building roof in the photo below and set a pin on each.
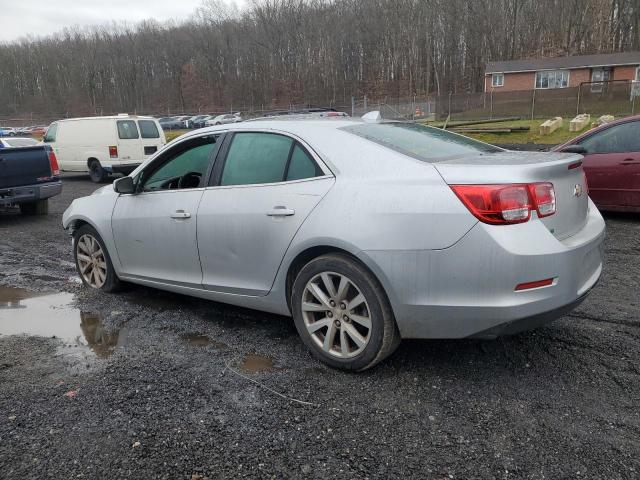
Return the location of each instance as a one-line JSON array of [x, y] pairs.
[[581, 61]]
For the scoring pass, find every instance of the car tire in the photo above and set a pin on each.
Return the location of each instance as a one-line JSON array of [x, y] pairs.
[[88, 246], [96, 172], [41, 207], [352, 339]]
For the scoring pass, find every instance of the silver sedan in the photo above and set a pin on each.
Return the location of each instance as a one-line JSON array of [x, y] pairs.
[[365, 232]]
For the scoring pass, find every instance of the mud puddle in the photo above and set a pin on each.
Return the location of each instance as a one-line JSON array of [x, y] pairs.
[[52, 315], [252, 363]]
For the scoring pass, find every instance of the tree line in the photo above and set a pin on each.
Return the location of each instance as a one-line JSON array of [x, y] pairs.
[[274, 53]]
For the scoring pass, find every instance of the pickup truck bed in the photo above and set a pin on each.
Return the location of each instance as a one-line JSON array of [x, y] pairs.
[[28, 177]]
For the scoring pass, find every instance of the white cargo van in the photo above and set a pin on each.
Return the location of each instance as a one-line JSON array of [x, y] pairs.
[[104, 145]]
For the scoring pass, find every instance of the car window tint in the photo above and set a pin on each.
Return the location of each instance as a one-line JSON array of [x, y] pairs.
[[616, 139], [148, 129], [256, 158], [418, 141], [127, 130], [301, 165], [187, 162]]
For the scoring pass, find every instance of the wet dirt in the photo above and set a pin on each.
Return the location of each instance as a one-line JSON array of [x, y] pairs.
[[252, 363], [52, 315], [198, 340]]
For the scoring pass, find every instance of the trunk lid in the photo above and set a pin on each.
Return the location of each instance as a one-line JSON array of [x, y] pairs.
[[529, 167]]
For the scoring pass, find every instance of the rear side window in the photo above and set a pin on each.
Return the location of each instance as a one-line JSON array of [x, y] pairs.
[[127, 130], [148, 129], [256, 158], [427, 144], [301, 165], [616, 139]]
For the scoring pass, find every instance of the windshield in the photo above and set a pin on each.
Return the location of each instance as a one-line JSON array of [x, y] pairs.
[[424, 143]]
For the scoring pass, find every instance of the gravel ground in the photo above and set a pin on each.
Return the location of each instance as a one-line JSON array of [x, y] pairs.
[[175, 387]]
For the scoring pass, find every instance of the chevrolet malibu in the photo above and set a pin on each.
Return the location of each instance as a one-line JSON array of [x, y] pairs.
[[365, 232]]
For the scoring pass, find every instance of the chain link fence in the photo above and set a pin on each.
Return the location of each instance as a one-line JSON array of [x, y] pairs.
[[618, 98]]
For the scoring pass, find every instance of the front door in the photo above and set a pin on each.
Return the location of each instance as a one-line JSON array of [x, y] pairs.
[[612, 165], [268, 185], [155, 229]]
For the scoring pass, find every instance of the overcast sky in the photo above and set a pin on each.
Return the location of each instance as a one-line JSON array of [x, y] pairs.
[[19, 18]]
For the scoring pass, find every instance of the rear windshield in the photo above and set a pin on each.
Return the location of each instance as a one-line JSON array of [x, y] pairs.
[[421, 142], [148, 129]]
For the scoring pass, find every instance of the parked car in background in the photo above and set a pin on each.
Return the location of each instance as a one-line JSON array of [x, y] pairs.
[[17, 142], [104, 145], [224, 119], [611, 163], [364, 232], [8, 132], [29, 176], [36, 131], [175, 123], [201, 122], [196, 119]]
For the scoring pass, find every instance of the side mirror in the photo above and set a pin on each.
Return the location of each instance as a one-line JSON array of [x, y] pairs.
[[124, 185], [574, 149]]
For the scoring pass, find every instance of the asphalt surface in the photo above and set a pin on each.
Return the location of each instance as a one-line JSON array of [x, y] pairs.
[[174, 387]]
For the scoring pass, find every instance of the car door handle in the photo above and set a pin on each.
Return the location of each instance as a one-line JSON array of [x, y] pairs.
[[629, 161], [180, 214], [281, 211]]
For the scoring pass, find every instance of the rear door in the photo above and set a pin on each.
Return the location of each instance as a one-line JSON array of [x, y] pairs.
[[151, 135], [129, 145], [264, 188], [612, 165]]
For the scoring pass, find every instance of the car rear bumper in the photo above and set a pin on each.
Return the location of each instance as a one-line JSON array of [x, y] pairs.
[[468, 289], [29, 193]]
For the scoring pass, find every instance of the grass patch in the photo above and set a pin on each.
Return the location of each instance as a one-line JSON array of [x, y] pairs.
[[173, 134], [561, 135]]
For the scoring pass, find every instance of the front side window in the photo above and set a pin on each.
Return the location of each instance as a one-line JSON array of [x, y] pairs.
[[184, 166], [497, 80], [127, 130], [50, 136], [616, 139], [552, 79], [148, 129], [256, 158], [427, 144]]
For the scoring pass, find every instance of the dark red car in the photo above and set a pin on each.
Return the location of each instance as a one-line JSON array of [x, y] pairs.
[[611, 163]]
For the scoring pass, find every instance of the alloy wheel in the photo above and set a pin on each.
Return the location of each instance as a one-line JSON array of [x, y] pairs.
[[91, 261], [336, 315]]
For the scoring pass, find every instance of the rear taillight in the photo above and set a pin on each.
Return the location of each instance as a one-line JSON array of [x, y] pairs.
[[113, 151], [53, 163], [507, 204], [544, 198]]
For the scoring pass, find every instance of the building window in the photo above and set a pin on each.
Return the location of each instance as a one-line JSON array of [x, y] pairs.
[[552, 79], [497, 79], [599, 75]]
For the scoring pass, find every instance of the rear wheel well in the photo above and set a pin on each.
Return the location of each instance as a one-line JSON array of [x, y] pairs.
[[309, 254], [92, 159]]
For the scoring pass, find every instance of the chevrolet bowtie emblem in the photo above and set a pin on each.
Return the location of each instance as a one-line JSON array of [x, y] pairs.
[[577, 190]]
